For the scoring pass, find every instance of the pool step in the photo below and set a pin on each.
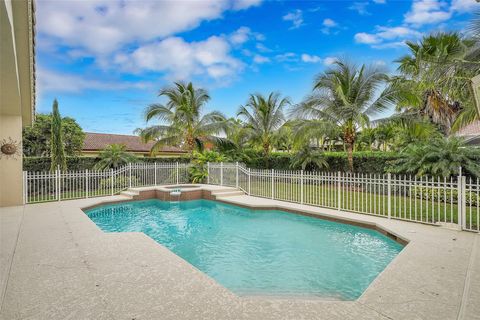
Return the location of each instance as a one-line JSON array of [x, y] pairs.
[[129, 193], [227, 193]]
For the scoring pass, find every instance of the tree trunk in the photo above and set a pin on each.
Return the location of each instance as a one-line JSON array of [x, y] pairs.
[[350, 156], [266, 149]]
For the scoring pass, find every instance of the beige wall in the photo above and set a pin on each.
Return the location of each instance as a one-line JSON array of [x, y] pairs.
[[16, 90], [11, 186]]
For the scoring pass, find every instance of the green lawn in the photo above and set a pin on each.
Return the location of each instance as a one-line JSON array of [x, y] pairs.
[[403, 206]]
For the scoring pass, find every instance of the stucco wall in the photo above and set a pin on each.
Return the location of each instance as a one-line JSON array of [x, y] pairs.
[[11, 187]]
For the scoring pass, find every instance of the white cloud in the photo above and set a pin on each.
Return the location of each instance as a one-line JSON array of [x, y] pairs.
[[244, 34], [310, 58], [286, 57], [329, 61], [240, 36], [380, 63], [366, 38], [48, 80], [380, 1], [260, 59], [296, 17], [329, 23], [360, 7], [465, 5], [262, 48], [245, 4], [100, 27], [427, 12], [383, 35], [181, 60]]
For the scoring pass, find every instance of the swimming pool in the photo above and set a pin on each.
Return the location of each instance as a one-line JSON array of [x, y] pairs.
[[256, 252]]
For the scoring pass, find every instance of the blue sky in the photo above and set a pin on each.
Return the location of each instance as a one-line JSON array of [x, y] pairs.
[[105, 60]]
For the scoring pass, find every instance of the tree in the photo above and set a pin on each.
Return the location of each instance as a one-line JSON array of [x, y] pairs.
[[435, 79], [345, 96], [36, 138], [57, 149], [307, 157], [198, 172], [440, 157], [113, 156], [181, 119], [263, 116]]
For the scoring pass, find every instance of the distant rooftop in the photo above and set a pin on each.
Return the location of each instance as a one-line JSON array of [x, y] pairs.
[[473, 129], [98, 141]]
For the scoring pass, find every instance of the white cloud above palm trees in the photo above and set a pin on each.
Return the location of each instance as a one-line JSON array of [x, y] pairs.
[[296, 17]]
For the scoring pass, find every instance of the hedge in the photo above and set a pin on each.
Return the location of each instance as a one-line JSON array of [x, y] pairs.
[[84, 163], [365, 162]]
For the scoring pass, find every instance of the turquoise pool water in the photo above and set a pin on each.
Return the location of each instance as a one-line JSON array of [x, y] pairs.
[[259, 252]]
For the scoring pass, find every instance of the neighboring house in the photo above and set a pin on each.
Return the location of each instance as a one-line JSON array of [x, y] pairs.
[[471, 133], [17, 92], [94, 143]]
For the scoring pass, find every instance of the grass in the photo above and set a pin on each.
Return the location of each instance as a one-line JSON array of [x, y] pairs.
[[372, 201], [403, 206]]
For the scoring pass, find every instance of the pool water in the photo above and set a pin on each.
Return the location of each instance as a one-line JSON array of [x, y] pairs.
[[256, 252]]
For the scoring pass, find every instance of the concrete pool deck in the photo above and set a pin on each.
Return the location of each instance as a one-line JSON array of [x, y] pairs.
[[55, 263]]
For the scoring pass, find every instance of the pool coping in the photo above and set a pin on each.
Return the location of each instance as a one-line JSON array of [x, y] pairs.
[[207, 195], [151, 282]]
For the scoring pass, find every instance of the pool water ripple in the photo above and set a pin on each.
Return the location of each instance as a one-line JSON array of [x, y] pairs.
[[259, 252]]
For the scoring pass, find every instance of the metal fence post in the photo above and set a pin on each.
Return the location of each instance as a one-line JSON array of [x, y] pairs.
[[301, 187], [58, 183], [221, 173], [208, 172], [236, 174], [461, 199], [273, 183], [86, 183], [111, 180], [155, 172], [249, 181], [339, 191], [177, 173], [24, 187], [389, 195], [129, 175]]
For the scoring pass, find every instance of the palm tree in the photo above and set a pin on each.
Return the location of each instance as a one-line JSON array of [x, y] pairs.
[[385, 135], [307, 156], [181, 119], [113, 156], [263, 116], [57, 148], [435, 79], [344, 95], [441, 157]]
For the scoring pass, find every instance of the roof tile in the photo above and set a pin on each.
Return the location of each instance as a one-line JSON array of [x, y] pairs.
[[98, 141]]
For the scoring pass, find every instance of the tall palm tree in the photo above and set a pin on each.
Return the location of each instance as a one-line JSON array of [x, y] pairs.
[[263, 116], [435, 79], [181, 120], [345, 95]]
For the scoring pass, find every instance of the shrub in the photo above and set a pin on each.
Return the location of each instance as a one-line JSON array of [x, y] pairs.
[[83, 163], [365, 162], [118, 183], [446, 196]]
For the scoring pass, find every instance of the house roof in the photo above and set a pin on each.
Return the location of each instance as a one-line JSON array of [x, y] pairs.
[[98, 141], [471, 130]]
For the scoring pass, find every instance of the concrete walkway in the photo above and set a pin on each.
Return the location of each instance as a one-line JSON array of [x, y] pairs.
[[56, 264]]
